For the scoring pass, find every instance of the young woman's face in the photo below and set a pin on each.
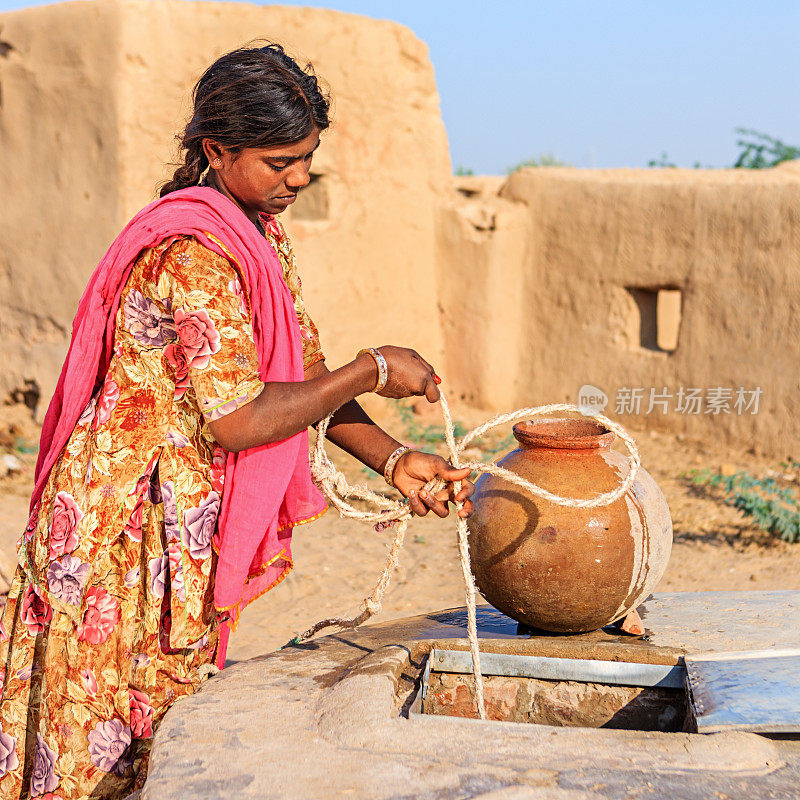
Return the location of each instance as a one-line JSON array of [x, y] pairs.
[[262, 179]]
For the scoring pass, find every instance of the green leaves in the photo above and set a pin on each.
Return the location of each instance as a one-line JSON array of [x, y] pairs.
[[544, 160], [423, 434], [762, 151], [773, 508]]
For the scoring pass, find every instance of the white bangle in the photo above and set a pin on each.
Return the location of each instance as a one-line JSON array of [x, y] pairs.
[[391, 463], [383, 367]]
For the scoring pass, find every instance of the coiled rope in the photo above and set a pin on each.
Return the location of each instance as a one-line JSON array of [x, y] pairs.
[[389, 512]]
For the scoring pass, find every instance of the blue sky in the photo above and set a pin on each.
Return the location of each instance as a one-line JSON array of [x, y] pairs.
[[603, 83]]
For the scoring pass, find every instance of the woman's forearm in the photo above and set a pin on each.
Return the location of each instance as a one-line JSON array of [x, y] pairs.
[[284, 409], [353, 431]]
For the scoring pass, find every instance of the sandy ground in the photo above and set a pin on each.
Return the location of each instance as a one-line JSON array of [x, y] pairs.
[[337, 561]]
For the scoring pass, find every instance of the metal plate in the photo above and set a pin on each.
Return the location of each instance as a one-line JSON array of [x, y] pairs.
[[755, 691], [618, 673]]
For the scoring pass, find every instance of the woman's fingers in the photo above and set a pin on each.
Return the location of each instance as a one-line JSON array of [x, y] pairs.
[[418, 468], [428, 365], [409, 374], [467, 490], [431, 394], [451, 474], [446, 494], [416, 505], [431, 390], [436, 379], [433, 503], [423, 501]]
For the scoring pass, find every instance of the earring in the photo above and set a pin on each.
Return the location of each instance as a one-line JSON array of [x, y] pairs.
[[217, 162]]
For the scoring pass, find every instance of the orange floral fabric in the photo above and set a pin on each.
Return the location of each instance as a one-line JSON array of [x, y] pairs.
[[110, 616]]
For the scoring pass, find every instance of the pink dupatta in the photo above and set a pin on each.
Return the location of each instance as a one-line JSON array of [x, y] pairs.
[[268, 489]]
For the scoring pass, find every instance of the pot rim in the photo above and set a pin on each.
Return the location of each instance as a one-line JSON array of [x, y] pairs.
[[563, 433]]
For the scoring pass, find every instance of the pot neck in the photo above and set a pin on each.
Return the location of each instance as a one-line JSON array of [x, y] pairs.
[[563, 434]]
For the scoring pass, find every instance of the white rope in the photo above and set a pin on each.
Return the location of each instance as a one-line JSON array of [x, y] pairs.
[[390, 512]]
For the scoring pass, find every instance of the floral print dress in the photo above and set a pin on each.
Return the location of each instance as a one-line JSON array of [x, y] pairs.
[[110, 617]]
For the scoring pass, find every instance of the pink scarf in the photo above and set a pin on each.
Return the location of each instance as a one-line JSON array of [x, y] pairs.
[[268, 489]]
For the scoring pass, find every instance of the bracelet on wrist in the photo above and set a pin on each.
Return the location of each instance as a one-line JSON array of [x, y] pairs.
[[391, 463], [380, 362]]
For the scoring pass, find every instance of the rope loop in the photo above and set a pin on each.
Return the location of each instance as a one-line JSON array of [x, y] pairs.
[[373, 606], [389, 512]]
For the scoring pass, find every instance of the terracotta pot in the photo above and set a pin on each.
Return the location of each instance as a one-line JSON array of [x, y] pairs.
[[565, 569]]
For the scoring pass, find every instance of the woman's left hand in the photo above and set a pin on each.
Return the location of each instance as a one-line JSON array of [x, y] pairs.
[[415, 469]]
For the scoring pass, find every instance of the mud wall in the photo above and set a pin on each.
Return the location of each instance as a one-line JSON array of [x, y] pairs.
[[683, 283], [93, 94], [59, 140]]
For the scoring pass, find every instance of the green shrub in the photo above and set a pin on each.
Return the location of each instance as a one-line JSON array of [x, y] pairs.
[[662, 162], [544, 160], [416, 433], [773, 508]]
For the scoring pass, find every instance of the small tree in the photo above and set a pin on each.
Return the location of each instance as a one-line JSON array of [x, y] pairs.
[[762, 151]]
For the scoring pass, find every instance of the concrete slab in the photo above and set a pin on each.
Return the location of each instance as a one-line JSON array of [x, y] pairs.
[[328, 719]]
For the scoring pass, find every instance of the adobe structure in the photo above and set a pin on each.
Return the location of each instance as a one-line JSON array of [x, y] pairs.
[[674, 293]]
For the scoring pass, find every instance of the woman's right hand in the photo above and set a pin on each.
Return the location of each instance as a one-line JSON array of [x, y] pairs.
[[410, 375]]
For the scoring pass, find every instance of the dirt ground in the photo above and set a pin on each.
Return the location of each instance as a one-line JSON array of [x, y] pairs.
[[337, 561]]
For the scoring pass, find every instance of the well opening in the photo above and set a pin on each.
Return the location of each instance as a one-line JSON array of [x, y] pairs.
[[447, 689]]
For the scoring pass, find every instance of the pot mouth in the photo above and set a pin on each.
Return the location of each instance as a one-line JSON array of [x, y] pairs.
[[563, 433]]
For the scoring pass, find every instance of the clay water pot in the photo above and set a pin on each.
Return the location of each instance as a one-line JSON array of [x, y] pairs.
[[562, 569]]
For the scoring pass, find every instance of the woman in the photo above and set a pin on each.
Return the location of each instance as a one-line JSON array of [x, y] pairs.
[[174, 456]]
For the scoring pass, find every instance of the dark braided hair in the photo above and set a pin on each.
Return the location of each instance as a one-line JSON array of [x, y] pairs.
[[251, 97]]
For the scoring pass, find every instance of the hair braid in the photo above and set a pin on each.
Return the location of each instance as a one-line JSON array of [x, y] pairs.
[[188, 173]]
